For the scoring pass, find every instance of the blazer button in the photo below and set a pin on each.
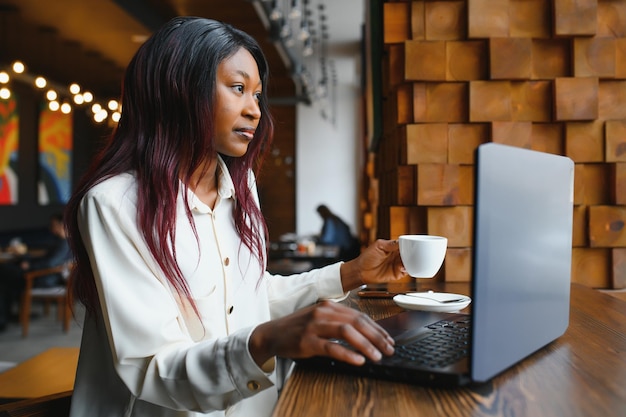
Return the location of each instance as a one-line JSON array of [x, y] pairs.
[[226, 261], [230, 309], [253, 385]]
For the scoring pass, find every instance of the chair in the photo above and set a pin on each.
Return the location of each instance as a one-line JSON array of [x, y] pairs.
[[57, 294]]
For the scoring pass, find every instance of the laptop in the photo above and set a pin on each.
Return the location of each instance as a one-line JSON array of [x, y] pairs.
[[520, 279]]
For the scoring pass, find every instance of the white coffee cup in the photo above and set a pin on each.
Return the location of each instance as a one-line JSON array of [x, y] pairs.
[[422, 255]]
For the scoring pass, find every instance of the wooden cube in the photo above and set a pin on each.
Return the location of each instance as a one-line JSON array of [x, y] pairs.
[[445, 184], [510, 58], [426, 143], [455, 223], [490, 101], [579, 229], [404, 103], [575, 17], [620, 58], [612, 100], [594, 57], [579, 184], [611, 19], [618, 257], [404, 185], [592, 184], [576, 98], [420, 103], [445, 20], [396, 22], [406, 220], [550, 58], [531, 101], [395, 64], [458, 265], [606, 226], [618, 184], [512, 133], [584, 141], [530, 18], [547, 137], [418, 22], [591, 267], [615, 140], [440, 102], [463, 139], [488, 18], [425, 60], [466, 60]]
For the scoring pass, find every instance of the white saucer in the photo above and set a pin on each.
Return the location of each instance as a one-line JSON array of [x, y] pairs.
[[441, 302]]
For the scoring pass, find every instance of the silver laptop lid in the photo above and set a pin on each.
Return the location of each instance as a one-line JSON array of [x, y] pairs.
[[522, 255]]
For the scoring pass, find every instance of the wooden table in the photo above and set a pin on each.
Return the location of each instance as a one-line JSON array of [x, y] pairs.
[[583, 373], [50, 372]]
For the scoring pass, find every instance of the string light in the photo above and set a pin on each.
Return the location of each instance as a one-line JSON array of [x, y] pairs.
[[74, 88], [66, 108], [40, 82], [58, 97], [18, 67]]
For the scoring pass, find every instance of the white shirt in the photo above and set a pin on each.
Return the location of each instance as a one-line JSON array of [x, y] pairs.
[[147, 354]]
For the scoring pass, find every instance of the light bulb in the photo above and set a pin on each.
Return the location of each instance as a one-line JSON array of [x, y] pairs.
[[18, 67], [40, 82], [5, 93], [74, 88], [51, 95], [4, 77]]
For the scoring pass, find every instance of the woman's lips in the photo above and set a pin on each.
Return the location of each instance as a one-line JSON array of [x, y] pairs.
[[248, 133]]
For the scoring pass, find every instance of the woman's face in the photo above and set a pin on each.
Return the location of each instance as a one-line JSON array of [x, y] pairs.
[[237, 111]]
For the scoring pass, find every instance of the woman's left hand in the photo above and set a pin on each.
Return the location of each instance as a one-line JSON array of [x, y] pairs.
[[379, 263]]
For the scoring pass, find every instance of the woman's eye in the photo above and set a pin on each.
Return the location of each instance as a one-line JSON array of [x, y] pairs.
[[258, 96], [238, 88]]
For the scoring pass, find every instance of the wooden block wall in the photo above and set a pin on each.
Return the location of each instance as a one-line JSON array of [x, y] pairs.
[[548, 75]]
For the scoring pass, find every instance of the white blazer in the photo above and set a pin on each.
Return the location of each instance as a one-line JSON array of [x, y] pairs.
[[146, 353]]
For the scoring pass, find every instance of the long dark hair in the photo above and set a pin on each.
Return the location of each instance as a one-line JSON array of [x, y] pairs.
[[164, 135]]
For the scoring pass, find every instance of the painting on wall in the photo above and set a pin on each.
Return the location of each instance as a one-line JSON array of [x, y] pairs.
[[54, 181], [9, 141]]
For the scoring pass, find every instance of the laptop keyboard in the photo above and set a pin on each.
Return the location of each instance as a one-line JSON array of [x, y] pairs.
[[447, 343]]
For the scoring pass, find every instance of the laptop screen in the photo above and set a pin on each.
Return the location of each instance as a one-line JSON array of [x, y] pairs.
[[522, 254]]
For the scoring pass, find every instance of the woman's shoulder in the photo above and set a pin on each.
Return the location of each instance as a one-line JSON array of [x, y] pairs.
[[121, 186]]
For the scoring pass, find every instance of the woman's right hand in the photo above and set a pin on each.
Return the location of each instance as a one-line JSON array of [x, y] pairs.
[[313, 331]]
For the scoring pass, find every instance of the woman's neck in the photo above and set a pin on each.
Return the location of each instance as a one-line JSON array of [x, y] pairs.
[[204, 183]]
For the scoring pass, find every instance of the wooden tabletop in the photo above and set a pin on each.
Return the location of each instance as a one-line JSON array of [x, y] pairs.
[[50, 372], [583, 373]]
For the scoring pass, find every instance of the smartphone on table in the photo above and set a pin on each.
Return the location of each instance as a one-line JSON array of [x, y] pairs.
[[387, 290]]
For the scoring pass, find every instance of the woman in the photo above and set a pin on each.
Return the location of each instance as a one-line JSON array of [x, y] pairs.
[[169, 244]]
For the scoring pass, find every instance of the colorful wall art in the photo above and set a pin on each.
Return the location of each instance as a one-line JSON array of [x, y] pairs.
[[55, 157], [9, 141]]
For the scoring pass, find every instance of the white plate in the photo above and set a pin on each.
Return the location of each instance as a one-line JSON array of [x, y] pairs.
[[441, 302]]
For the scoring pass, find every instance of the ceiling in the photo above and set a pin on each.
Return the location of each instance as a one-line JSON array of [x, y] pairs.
[[92, 41]]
